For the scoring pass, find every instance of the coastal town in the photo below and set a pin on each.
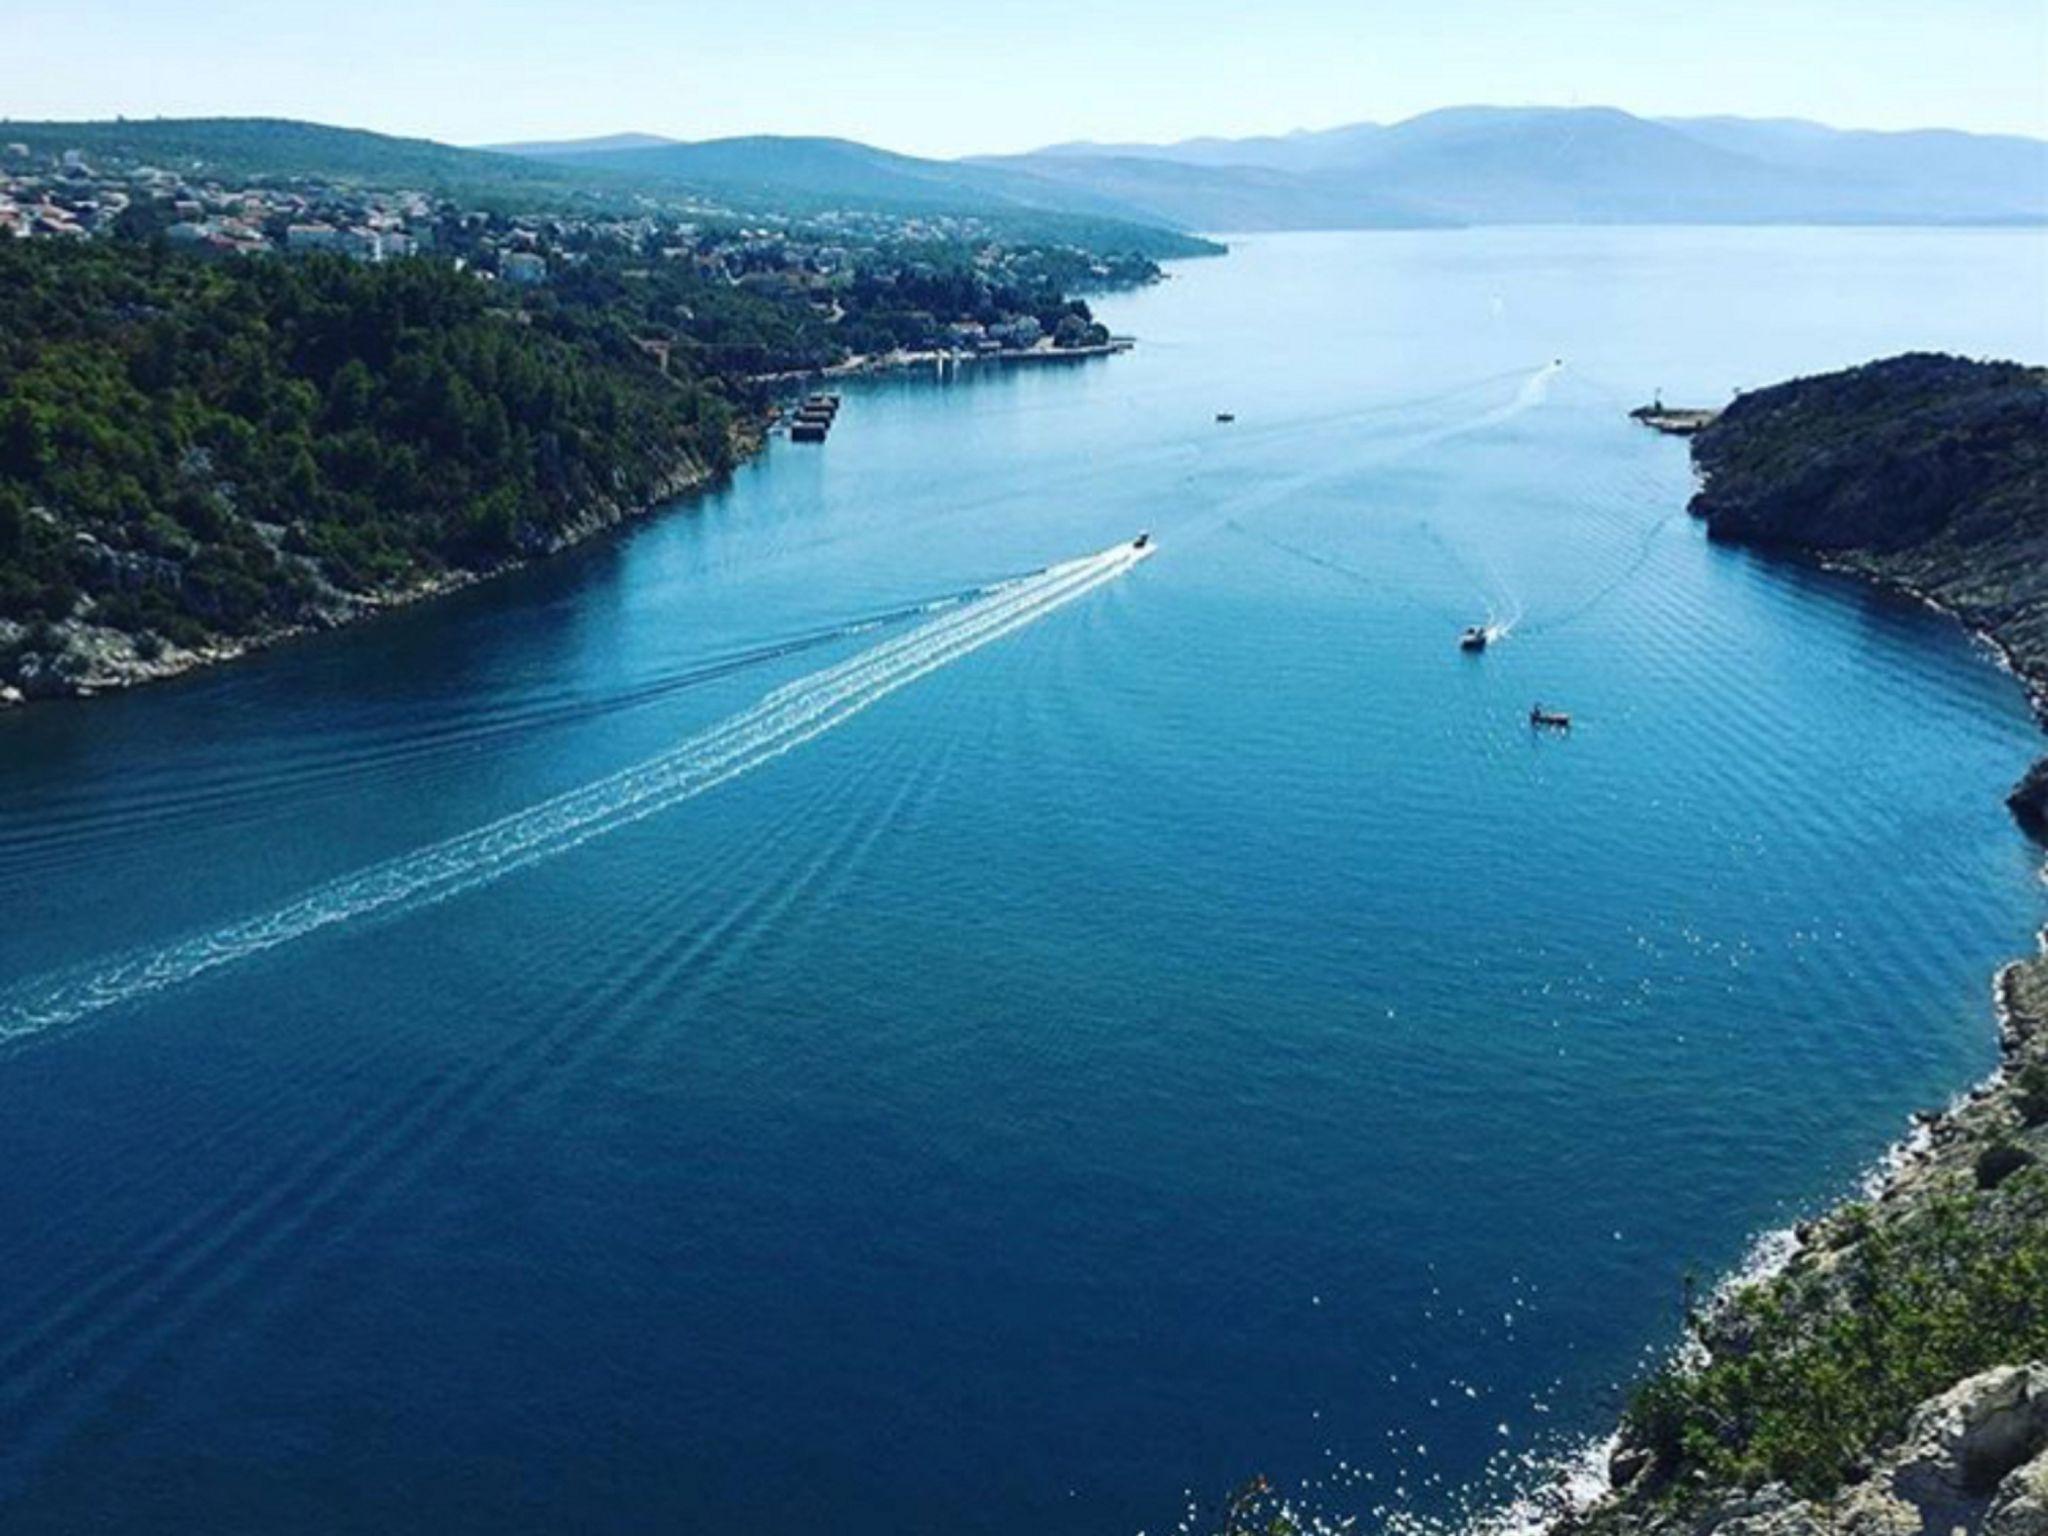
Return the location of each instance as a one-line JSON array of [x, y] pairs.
[[612, 353], [835, 264]]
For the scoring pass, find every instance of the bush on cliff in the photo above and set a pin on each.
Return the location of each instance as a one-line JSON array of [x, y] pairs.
[[1814, 1368]]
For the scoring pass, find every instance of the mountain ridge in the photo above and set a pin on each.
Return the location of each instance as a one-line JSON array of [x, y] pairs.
[[1484, 164]]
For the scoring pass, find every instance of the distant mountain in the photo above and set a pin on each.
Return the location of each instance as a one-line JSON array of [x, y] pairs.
[[1241, 198], [1302, 150], [1986, 169], [814, 175], [564, 148], [1486, 165]]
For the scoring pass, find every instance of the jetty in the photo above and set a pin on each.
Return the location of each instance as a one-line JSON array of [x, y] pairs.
[[1678, 420]]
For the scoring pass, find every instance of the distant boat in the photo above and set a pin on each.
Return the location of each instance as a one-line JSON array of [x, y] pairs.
[[1539, 716], [1474, 638], [1143, 539], [1226, 416]]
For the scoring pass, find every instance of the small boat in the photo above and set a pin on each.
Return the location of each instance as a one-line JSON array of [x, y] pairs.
[[1539, 716], [1474, 638], [1226, 416], [1143, 539]]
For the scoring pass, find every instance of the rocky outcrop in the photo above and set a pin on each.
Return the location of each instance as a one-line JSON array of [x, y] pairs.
[[1888, 457], [2020, 1507], [1961, 1446], [2029, 800]]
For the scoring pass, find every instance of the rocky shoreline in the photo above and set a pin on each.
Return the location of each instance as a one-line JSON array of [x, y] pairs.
[[1924, 475], [79, 659], [1973, 1456]]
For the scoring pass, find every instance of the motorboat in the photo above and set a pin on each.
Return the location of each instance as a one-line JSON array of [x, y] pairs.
[[1143, 540], [1555, 718], [1474, 638]]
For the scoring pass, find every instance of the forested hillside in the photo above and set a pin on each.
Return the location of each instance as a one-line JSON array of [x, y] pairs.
[[193, 449]]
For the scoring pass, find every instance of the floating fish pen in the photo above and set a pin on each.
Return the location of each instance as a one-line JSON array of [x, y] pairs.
[[810, 421]]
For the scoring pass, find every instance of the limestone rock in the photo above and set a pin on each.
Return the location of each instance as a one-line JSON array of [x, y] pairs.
[[2029, 800], [2021, 1507], [1962, 1443], [1871, 1510]]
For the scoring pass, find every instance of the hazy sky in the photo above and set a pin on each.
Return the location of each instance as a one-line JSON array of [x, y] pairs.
[[960, 76]]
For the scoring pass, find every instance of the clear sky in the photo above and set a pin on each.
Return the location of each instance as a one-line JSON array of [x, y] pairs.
[[961, 76]]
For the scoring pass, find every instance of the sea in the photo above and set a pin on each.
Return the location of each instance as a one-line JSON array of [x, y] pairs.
[[867, 1003]]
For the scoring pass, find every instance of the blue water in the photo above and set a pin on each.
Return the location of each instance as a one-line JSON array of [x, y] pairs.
[[1129, 1030]]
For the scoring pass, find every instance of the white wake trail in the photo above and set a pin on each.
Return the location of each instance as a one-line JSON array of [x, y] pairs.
[[784, 719]]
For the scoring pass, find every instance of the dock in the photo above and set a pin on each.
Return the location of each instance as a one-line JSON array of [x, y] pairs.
[[1678, 420]]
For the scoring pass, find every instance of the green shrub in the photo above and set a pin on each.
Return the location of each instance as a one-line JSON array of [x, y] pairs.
[[2031, 1098], [1833, 1364]]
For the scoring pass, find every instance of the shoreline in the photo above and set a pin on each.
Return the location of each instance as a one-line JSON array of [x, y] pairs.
[[1937, 1157], [871, 365], [113, 674], [114, 665]]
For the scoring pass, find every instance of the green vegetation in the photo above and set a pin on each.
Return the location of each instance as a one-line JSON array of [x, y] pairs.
[[2031, 1094], [253, 148], [1943, 457], [1814, 1369], [194, 448], [762, 324], [214, 448]]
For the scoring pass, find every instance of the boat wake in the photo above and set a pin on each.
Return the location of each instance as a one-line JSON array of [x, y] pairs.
[[1534, 391], [785, 718]]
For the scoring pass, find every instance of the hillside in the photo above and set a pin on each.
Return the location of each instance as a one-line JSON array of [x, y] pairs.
[[199, 456], [1489, 165], [746, 177], [550, 148], [250, 147], [816, 175]]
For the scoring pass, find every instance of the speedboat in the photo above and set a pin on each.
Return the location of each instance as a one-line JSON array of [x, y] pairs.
[[1540, 716], [1144, 538], [1474, 638]]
